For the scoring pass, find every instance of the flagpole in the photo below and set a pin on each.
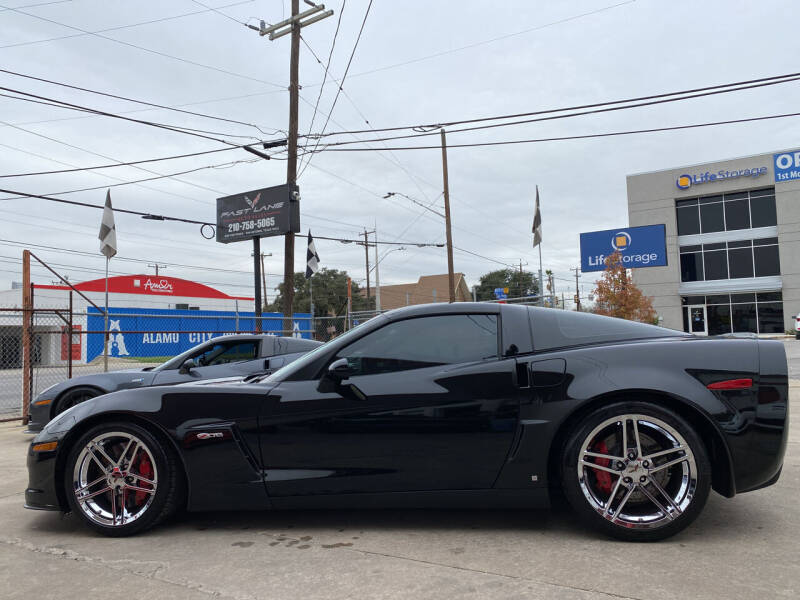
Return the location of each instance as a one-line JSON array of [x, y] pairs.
[[311, 305], [105, 329], [541, 281]]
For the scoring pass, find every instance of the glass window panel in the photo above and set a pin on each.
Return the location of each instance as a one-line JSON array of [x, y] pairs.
[[424, 342], [719, 319], [741, 262], [762, 192], [685, 312], [737, 215], [692, 267], [718, 299], [693, 300], [708, 199], [736, 196], [741, 244], [767, 262], [743, 317], [765, 242], [696, 248], [763, 211], [770, 317], [743, 298], [711, 218], [686, 202], [770, 297], [717, 246], [715, 265], [697, 318], [688, 220]]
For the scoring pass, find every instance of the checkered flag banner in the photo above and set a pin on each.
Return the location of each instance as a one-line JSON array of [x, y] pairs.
[[537, 222], [108, 232], [312, 258]]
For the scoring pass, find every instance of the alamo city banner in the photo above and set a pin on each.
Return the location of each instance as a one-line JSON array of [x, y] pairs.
[[157, 332]]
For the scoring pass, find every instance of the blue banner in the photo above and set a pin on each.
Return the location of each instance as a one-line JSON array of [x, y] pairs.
[[787, 166], [156, 332], [644, 246]]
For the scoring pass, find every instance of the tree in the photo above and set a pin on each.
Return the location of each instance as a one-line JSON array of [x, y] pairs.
[[519, 283], [617, 296], [330, 294]]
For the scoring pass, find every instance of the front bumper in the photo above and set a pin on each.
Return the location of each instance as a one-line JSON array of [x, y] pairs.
[[41, 492], [38, 415]]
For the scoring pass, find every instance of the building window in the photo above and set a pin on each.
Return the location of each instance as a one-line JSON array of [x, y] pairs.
[[726, 212], [760, 312], [730, 260]]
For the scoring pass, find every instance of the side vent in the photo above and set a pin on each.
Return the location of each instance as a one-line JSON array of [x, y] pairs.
[[523, 376]]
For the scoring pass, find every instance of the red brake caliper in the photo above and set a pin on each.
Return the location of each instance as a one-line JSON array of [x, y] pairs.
[[603, 478], [146, 470]]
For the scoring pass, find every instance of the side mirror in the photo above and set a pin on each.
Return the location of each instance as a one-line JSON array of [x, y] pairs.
[[339, 370], [187, 366]]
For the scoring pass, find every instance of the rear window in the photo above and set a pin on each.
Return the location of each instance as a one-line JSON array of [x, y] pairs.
[[553, 328]]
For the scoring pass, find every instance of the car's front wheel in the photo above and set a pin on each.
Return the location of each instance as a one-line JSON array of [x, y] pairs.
[[637, 471], [121, 480], [75, 396]]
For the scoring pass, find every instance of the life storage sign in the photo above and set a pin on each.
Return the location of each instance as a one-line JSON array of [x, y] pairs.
[[787, 166]]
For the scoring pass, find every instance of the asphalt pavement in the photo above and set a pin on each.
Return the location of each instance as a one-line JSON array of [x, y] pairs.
[[745, 547]]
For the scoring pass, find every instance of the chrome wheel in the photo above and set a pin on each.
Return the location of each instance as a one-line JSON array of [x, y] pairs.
[[637, 471], [114, 479]]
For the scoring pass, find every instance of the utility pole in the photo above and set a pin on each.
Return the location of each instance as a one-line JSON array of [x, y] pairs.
[[261, 256], [450, 275], [291, 25], [366, 255], [577, 289], [157, 267], [377, 274]]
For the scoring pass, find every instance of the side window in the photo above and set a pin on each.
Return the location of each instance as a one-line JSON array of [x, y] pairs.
[[424, 342], [222, 353]]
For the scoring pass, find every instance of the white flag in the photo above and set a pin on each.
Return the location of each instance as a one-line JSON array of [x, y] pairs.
[[108, 232], [537, 222]]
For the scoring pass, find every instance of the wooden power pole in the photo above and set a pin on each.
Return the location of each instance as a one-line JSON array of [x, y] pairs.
[[366, 255], [451, 280]]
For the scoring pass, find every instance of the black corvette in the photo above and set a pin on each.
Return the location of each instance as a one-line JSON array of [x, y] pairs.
[[443, 405]]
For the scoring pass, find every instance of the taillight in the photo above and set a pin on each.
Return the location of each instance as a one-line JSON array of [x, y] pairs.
[[731, 384]]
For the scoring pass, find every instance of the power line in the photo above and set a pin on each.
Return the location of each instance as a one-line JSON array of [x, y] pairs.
[[174, 128], [122, 164], [327, 65], [116, 28], [563, 138], [341, 83], [149, 50], [192, 221], [599, 107], [37, 4], [219, 12], [127, 99]]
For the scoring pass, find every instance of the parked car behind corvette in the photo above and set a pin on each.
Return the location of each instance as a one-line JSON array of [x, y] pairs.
[[225, 356]]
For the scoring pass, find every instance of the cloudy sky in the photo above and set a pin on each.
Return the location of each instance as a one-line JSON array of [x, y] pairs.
[[417, 62]]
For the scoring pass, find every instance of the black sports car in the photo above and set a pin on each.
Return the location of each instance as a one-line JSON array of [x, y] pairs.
[[229, 355], [470, 405]]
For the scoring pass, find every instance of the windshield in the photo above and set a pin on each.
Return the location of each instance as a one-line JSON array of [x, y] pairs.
[[293, 367]]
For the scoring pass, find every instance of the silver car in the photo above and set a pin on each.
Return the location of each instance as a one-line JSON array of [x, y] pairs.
[[239, 355]]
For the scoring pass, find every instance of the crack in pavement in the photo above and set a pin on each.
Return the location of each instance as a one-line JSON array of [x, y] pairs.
[[151, 570], [496, 574]]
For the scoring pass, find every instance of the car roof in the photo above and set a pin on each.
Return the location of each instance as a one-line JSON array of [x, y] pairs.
[[443, 308]]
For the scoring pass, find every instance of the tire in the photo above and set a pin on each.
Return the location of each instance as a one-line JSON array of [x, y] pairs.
[[75, 396], [634, 495], [121, 480]]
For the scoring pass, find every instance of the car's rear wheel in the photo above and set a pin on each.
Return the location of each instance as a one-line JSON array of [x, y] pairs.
[[121, 480], [637, 471], [75, 396]]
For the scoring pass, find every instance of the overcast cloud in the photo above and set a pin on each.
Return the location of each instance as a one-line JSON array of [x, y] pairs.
[[634, 48]]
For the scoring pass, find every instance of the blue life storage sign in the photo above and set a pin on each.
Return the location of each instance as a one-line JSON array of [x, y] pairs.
[[644, 246], [787, 166], [154, 332]]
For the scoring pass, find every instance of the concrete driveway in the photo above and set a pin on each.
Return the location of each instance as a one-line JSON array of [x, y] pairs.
[[747, 547]]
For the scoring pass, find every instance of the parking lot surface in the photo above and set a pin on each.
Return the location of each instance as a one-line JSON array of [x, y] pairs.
[[746, 547]]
